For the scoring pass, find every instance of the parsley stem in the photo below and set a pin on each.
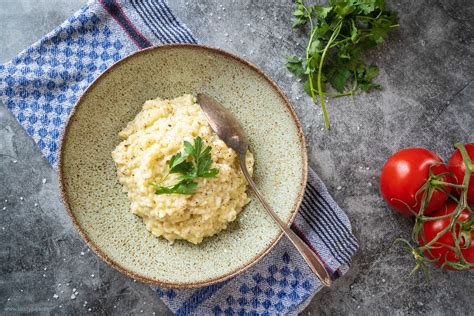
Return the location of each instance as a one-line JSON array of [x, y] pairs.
[[321, 61]]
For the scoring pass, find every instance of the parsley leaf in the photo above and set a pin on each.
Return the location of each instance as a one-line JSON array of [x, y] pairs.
[[194, 163], [339, 33]]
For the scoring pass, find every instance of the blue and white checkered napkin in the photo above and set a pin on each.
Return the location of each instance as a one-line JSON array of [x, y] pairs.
[[41, 85]]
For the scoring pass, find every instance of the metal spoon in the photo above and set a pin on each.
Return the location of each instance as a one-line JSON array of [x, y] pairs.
[[230, 131]]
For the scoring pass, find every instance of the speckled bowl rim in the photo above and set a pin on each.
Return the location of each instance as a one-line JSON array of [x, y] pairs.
[[206, 282]]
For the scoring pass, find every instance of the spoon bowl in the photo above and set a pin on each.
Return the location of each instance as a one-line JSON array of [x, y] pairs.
[[231, 132]]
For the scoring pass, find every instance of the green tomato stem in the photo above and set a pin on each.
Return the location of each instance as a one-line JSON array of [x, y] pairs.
[[447, 184]]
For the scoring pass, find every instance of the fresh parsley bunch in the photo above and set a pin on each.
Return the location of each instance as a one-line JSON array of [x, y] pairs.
[[340, 32], [195, 162]]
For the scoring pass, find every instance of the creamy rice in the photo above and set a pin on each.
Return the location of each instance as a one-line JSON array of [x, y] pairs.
[[149, 141]]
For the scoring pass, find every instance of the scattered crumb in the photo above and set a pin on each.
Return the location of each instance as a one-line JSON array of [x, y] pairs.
[[4, 208], [339, 188], [92, 275], [44, 275], [36, 204], [367, 168], [45, 268], [383, 280], [82, 253], [73, 296], [89, 309], [8, 299], [74, 290], [21, 198], [55, 296], [115, 306], [60, 306], [43, 181], [14, 161]]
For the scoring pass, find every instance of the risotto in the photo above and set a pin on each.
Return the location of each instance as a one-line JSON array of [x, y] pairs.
[[149, 141]]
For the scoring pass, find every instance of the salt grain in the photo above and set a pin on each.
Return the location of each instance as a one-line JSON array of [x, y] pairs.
[[4, 208], [14, 161], [36, 204], [44, 275], [45, 268], [92, 275], [44, 180], [73, 296], [8, 299], [74, 290], [55, 296], [369, 184], [82, 253], [339, 188], [115, 306], [89, 309], [226, 34], [21, 198]]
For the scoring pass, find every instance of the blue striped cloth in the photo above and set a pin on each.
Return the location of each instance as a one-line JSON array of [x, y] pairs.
[[40, 87]]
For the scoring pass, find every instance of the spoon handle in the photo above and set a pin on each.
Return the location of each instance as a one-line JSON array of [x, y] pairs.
[[309, 256]]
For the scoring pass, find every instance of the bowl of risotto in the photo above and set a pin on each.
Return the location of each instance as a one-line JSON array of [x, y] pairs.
[[154, 191]]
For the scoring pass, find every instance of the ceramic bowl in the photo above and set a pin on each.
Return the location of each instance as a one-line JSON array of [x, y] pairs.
[[99, 208]]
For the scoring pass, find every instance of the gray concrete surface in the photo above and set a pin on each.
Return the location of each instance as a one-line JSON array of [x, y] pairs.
[[427, 71]]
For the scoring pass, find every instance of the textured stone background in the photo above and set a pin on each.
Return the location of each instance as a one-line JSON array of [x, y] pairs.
[[427, 71]]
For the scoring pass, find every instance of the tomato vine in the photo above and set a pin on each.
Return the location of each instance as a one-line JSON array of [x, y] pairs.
[[459, 229]]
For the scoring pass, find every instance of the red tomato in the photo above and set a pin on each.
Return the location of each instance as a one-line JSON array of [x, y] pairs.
[[440, 252], [458, 168], [405, 173]]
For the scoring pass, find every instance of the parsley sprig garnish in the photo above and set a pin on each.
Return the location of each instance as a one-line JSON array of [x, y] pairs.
[[340, 32], [195, 162]]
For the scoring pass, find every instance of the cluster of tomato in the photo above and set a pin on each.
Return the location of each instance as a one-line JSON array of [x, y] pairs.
[[416, 182]]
